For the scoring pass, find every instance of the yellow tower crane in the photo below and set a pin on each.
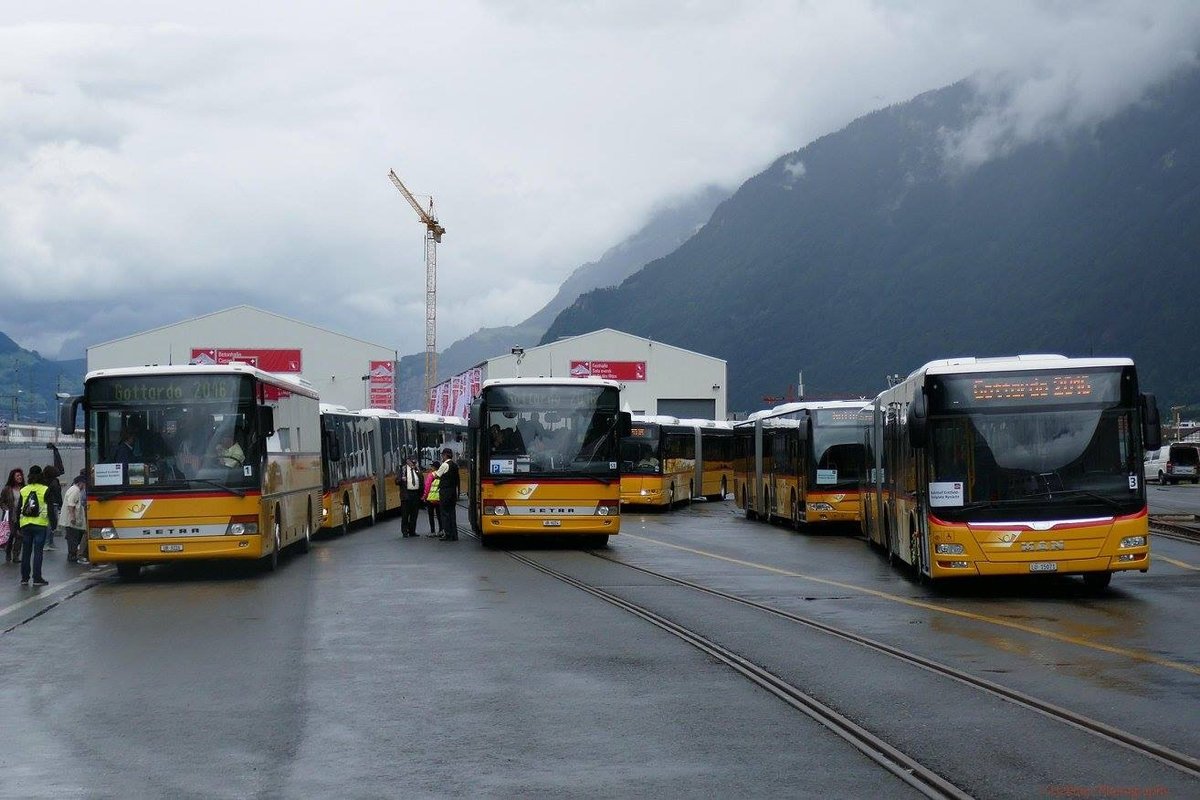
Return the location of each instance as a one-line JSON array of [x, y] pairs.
[[433, 235]]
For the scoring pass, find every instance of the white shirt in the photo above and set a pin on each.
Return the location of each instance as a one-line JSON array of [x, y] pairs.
[[412, 481]]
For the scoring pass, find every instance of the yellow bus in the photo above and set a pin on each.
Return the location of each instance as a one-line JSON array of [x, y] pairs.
[[801, 462], [665, 460], [544, 456], [1026, 465], [197, 462]]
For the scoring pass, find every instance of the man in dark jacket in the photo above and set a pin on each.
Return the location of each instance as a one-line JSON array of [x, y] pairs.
[[447, 475]]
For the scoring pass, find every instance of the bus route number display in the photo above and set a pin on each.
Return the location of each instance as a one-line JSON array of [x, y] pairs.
[[1075, 386]]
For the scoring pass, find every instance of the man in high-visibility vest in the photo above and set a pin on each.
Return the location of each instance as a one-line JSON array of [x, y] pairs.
[[35, 521]]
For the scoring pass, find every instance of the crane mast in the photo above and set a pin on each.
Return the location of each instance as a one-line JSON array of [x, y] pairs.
[[433, 235]]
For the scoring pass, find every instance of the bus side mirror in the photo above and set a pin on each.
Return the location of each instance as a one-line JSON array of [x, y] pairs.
[[266, 421], [917, 421], [1151, 423], [333, 448], [624, 424], [66, 415]]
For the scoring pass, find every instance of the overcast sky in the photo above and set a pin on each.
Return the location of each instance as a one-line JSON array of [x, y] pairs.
[[164, 159]]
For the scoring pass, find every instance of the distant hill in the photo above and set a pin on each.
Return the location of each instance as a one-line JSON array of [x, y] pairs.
[[29, 382], [666, 230], [865, 254]]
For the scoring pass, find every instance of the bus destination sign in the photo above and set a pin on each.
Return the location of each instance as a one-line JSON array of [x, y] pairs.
[[1073, 386]]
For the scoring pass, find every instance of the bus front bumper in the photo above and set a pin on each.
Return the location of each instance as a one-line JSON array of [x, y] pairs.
[[112, 551], [957, 566]]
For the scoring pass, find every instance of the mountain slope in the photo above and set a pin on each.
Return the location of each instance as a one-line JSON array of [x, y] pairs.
[[666, 229], [29, 382], [866, 253]]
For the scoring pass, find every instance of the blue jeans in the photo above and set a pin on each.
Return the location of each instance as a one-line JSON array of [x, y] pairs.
[[33, 539]]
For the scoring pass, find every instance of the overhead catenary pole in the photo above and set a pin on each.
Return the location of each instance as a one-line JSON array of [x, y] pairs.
[[433, 235]]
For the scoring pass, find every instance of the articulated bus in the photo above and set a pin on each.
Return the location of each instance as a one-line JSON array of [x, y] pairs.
[[665, 460], [544, 456], [801, 462], [1013, 466], [197, 462]]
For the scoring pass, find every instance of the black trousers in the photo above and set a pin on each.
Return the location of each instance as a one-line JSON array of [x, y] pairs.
[[448, 511], [410, 507]]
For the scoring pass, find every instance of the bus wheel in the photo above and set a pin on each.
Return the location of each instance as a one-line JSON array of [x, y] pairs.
[[129, 572], [272, 561], [374, 508], [305, 544], [345, 515], [671, 498], [1096, 581]]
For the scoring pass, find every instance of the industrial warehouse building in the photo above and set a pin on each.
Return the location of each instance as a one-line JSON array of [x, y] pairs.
[[655, 378], [344, 370]]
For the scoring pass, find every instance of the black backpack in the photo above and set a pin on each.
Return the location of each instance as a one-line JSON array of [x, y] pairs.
[[32, 507]]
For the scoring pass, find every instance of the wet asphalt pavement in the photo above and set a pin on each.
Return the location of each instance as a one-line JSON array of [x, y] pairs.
[[378, 666]]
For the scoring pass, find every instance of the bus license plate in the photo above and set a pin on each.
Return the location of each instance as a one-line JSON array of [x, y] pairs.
[[551, 523], [171, 548], [1043, 566]]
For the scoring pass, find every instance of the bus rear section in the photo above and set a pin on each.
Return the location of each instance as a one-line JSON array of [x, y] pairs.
[[544, 459]]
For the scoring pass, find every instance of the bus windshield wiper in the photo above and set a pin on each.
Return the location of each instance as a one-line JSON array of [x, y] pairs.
[[186, 482], [1093, 495]]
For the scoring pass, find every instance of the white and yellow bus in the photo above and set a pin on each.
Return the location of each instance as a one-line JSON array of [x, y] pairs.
[[544, 458], [802, 462], [665, 460], [197, 462], [1027, 465]]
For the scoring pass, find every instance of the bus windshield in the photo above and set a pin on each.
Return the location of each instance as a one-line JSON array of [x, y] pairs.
[[837, 442], [1036, 459], [551, 430], [639, 451], [173, 432]]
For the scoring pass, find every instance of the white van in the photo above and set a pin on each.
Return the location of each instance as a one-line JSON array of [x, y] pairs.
[[1173, 463]]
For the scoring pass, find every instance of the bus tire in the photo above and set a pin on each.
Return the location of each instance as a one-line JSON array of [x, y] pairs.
[[271, 562], [671, 498], [374, 508], [345, 515], [129, 572], [1096, 581], [305, 544]]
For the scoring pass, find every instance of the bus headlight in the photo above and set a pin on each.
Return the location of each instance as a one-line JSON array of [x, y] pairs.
[[496, 508], [102, 533], [604, 509], [820, 507], [1133, 541], [241, 528], [949, 549]]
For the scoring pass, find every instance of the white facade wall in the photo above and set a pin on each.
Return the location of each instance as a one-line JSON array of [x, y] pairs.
[[334, 364], [672, 373]]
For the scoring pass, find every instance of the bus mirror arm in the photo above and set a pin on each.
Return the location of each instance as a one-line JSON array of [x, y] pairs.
[[1151, 423], [624, 424], [917, 420], [66, 415]]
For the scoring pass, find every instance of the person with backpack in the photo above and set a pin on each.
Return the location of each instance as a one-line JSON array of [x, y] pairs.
[[35, 520]]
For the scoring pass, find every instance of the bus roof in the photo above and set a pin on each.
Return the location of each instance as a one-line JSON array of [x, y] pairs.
[[289, 382], [959, 366], [655, 419], [425, 416], [550, 382]]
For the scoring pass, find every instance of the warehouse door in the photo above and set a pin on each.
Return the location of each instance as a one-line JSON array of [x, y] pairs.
[[688, 409]]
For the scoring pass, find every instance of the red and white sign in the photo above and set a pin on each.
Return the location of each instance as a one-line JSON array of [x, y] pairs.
[[452, 397], [610, 370], [266, 360], [382, 384]]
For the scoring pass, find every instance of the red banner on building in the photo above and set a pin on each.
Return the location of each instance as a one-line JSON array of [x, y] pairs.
[[265, 359], [382, 384], [610, 370]]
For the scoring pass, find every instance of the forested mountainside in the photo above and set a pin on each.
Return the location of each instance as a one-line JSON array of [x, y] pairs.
[[666, 229], [29, 382], [869, 252]]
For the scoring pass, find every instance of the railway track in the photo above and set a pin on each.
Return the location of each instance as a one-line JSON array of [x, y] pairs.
[[933, 785], [1177, 527], [890, 758]]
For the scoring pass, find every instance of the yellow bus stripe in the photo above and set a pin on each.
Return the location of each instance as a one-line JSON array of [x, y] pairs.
[[1173, 562], [1120, 651]]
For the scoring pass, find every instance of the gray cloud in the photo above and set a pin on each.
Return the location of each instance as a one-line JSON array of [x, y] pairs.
[[167, 160]]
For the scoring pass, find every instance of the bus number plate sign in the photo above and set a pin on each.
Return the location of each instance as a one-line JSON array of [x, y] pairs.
[[551, 523], [170, 548], [1043, 566]]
